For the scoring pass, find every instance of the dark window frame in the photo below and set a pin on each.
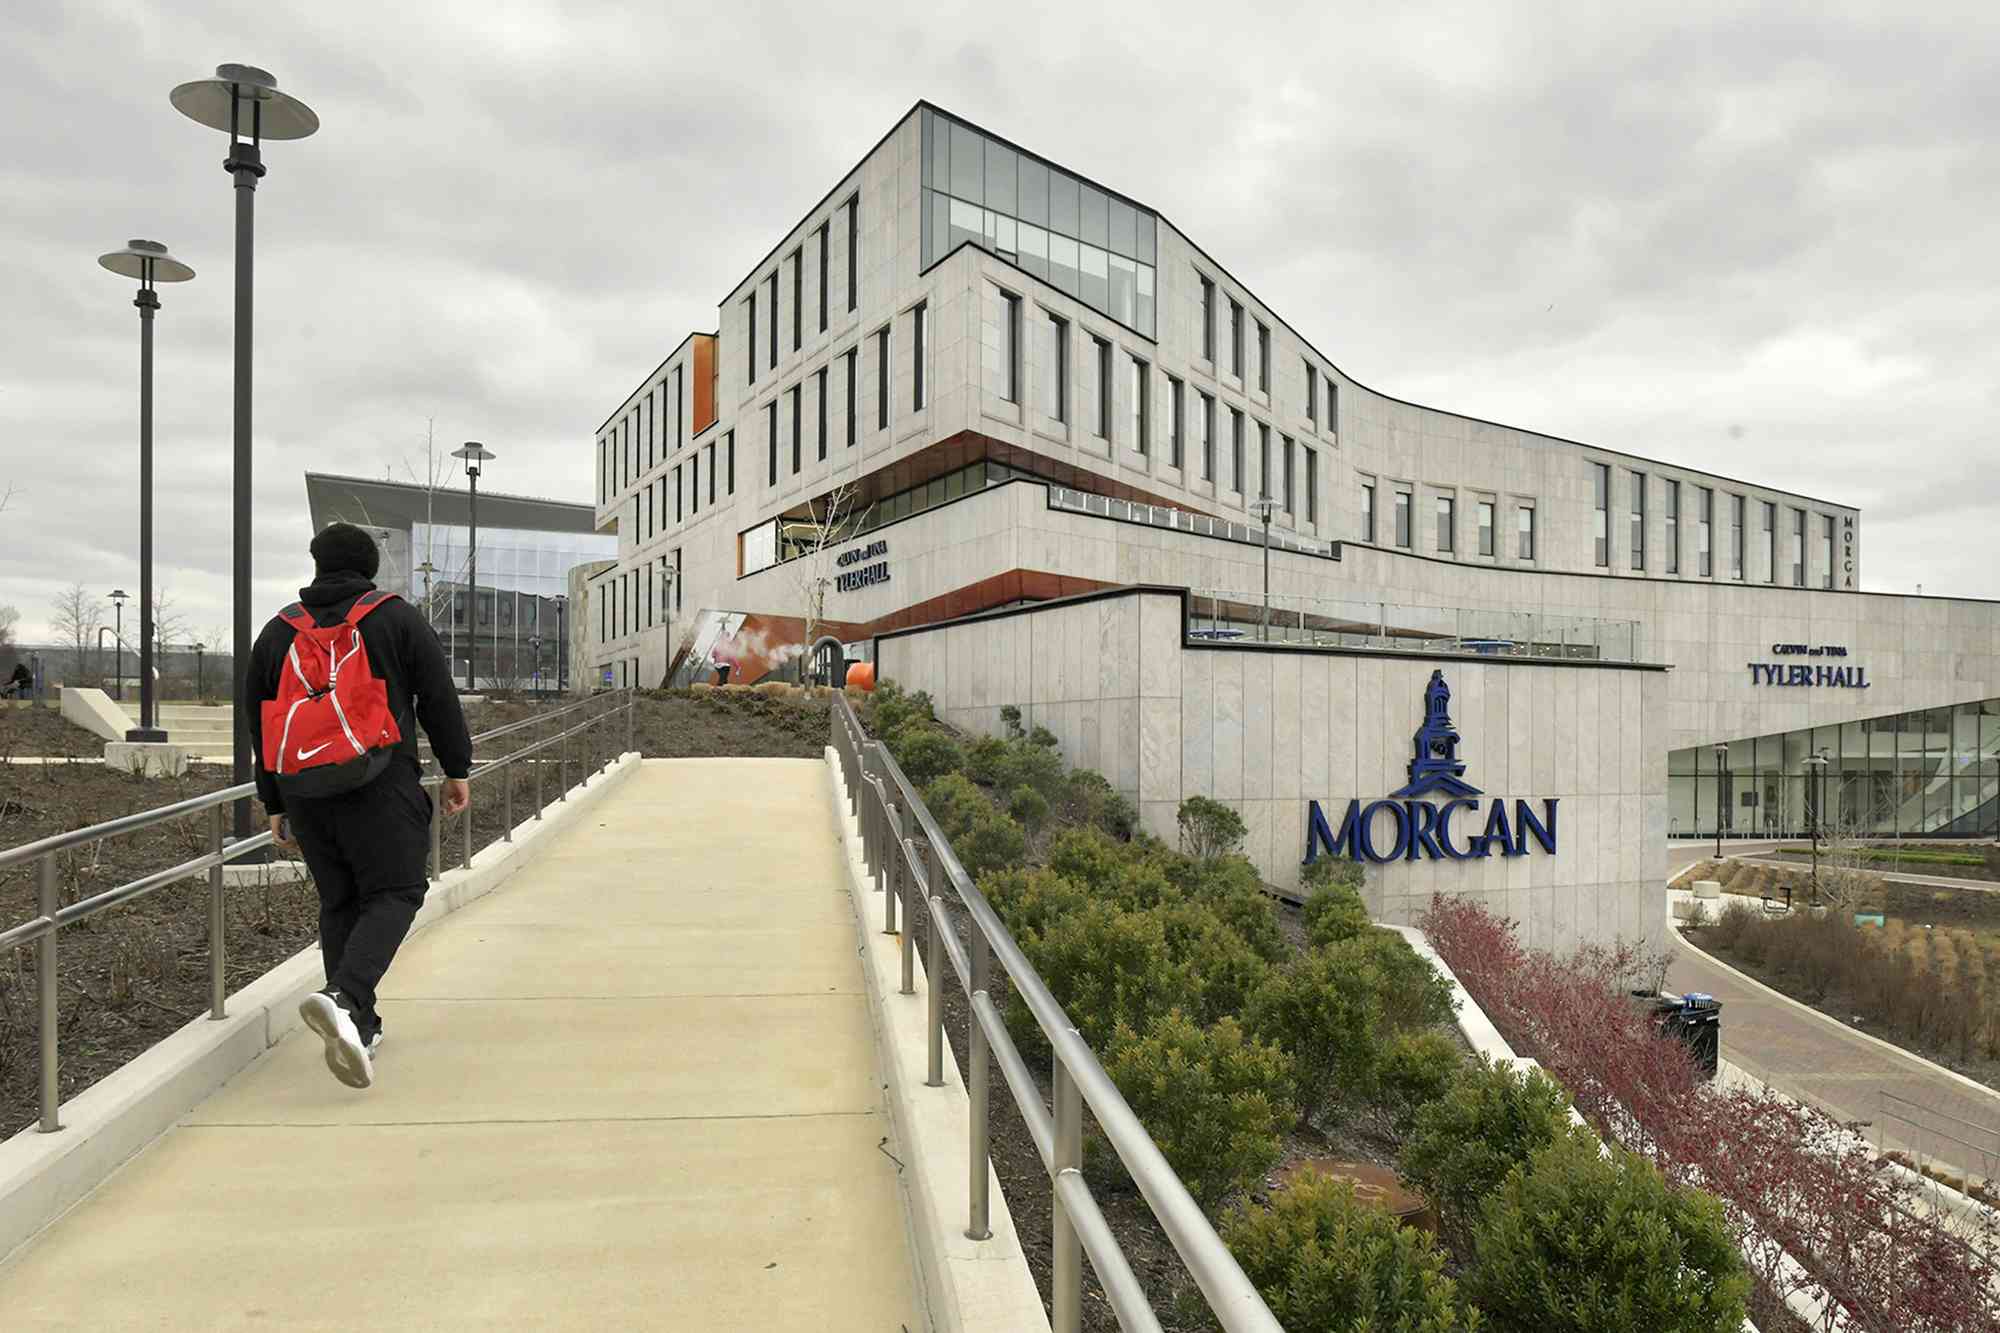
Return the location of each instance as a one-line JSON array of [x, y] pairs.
[[825, 269]]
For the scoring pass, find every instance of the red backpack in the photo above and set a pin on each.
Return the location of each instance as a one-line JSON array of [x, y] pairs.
[[330, 729]]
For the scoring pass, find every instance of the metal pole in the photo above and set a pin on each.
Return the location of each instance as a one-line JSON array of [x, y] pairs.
[[218, 936], [506, 804], [978, 1076], [908, 936], [934, 979], [893, 845], [246, 165], [1265, 632], [1066, 1258], [118, 650], [539, 761], [148, 302], [472, 574], [564, 795], [45, 994]]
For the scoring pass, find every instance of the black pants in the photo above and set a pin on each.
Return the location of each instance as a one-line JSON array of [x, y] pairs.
[[367, 850]]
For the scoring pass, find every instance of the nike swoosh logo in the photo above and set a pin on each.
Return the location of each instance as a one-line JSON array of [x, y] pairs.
[[307, 754]]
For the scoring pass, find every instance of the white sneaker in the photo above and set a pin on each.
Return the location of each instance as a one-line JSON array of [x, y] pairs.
[[345, 1054], [374, 1044]]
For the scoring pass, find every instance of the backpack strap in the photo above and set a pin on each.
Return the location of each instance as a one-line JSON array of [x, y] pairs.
[[365, 603], [295, 616]]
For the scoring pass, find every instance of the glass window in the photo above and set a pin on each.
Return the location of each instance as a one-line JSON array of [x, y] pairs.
[[750, 312], [1033, 180], [919, 322], [1063, 260], [1094, 276], [1236, 449], [1236, 339], [1000, 172], [1826, 550], [1052, 355], [1637, 482], [1103, 424], [1062, 203], [825, 234], [1204, 425], [853, 251], [1010, 345], [1176, 432], [1704, 522], [1095, 218], [1124, 303], [1526, 519], [1312, 394], [968, 165], [1034, 252], [1403, 519], [1447, 523], [1770, 542], [1288, 450], [1263, 461], [1486, 527], [1600, 490], [771, 434], [1207, 320], [1368, 511], [820, 406], [1798, 548], [1124, 229], [798, 419], [1263, 359], [1312, 486], [853, 419], [1139, 406], [1673, 523]]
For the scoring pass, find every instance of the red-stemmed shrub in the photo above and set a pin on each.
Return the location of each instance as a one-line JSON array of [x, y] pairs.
[[1812, 1209]]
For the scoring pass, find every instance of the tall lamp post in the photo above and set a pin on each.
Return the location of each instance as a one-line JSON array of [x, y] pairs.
[[535, 648], [1262, 507], [149, 262], [1816, 789], [200, 693], [474, 453], [562, 640], [118, 644], [1721, 767], [240, 99]]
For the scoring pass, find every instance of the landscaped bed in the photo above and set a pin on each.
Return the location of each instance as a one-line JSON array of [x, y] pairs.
[[1964, 861], [1248, 1040]]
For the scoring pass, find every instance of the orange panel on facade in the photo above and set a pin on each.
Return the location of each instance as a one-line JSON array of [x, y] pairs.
[[704, 381]]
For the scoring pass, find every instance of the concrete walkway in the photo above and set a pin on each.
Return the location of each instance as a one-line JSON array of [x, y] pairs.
[[634, 1088], [1908, 1103]]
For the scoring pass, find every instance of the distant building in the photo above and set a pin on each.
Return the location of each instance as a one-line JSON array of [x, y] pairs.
[[527, 547]]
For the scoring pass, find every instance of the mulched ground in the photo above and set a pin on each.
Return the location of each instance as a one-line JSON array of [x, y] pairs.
[[136, 973]]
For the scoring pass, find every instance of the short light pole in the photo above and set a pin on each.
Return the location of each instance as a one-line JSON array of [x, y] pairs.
[[1721, 767], [474, 453], [149, 262], [118, 643], [427, 569], [535, 647], [1262, 507], [240, 99], [562, 640], [668, 575], [1815, 776], [200, 690]]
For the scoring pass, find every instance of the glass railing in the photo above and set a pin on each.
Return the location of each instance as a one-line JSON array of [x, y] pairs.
[[1180, 520], [1349, 623]]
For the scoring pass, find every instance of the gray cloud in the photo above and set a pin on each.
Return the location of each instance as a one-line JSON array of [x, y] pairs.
[[1744, 239]]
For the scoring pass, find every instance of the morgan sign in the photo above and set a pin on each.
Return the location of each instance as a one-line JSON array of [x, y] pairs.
[[1402, 827]]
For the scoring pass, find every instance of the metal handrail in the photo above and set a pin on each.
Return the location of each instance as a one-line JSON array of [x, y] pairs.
[[41, 930], [906, 853]]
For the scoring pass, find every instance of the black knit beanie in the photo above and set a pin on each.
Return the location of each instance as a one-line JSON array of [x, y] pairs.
[[340, 547]]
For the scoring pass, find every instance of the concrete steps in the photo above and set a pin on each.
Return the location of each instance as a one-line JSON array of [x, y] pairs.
[[203, 729]]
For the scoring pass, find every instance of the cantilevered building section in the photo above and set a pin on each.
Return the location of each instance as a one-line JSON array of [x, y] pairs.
[[972, 378]]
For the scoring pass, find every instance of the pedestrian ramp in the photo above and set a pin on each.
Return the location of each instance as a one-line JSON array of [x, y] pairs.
[[635, 1087]]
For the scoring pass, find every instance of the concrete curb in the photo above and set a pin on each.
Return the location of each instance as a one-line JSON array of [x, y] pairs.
[[95, 712], [43, 1175], [969, 1286]]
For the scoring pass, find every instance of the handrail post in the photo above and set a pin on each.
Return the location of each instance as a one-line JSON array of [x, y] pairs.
[[631, 717], [977, 1086], [45, 994], [506, 805], [909, 934], [538, 784], [564, 734], [1066, 1247], [218, 939], [934, 975], [892, 847]]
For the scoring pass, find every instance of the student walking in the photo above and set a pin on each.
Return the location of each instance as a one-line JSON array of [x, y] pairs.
[[338, 683]]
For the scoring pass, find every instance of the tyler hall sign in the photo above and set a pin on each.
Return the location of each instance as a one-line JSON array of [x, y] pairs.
[[1401, 827], [856, 571], [1841, 676]]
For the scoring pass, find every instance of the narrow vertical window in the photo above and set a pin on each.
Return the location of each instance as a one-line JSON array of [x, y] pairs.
[[1263, 359], [882, 378], [1798, 548], [1826, 550], [854, 252], [729, 451], [694, 483], [1447, 524], [1770, 542], [1208, 321], [711, 472], [1289, 478], [603, 472], [1176, 430], [1368, 511], [821, 405], [798, 421], [750, 348], [1600, 493], [677, 495], [680, 403], [1672, 522], [919, 325], [1010, 346], [652, 420], [1736, 507], [771, 435], [1312, 486], [773, 321], [1312, 396], [1704, 523], [1637, 481], [798, 298], [853, 374], [1403, 534], [1205, 424], [1486, 527], [1141, 425], [1527, 522], [1236, 338], [1332, 407], [825, 235], [1103, 427], [1263, 461], [1236, 468], [1052, 337]]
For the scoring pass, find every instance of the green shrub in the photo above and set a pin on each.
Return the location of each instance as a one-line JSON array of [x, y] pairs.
[[1106, 966], [1028, 900], [1333, 908], [1461, 1146], [925, 754], [986, 760], [1580, 1243], [955, 803], [1043, 738], [1089, 799], [1416, 1069], [1010, 717], [1222, 962], [1325, 1260], [1209, 828], [1029, 807], [993, 842], [1087, 856], [1215, 1101], [890, 710], [1324, 1008], [1414, 994]]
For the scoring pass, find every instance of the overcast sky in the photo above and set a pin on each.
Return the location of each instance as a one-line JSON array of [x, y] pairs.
[[1759, 242]]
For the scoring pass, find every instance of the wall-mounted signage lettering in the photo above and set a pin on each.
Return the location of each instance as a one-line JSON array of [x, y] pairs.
[[1808, 673], [856, 571], [1401, 827], [1847, 548]]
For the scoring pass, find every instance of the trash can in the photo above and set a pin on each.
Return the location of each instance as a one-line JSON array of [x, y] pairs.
[[1694, 1020]]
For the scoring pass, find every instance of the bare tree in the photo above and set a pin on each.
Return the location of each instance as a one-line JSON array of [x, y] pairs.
[[7, 496], [78, 615], [433, 593], [828, 521]]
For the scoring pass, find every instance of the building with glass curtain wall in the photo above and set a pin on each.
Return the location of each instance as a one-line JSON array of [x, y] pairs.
[[973, 378], [527, 547]]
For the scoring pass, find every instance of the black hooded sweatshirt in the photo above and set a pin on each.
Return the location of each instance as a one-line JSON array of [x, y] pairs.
[[404, 652]]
